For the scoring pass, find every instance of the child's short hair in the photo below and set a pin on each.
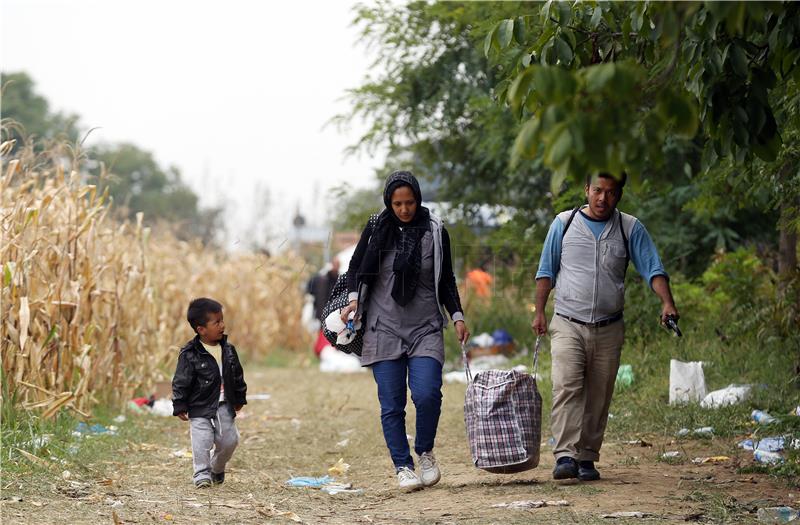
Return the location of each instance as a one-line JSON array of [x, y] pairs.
[[199, 308]]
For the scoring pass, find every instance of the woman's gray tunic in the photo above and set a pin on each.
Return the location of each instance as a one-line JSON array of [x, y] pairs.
[[414, 330]]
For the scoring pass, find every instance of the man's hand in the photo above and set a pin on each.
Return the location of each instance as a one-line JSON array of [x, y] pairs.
[[462, 332], [660, 286], [667, 310], [539, 323], [347, 309], [183, 416], [237, 407]]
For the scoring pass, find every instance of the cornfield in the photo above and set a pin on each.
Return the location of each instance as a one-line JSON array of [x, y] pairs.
[[94, 309]]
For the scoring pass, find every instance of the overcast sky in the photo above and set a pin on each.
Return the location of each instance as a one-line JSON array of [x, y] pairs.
[[235, 94]]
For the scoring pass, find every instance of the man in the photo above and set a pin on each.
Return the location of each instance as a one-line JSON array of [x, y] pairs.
[[585, 256]]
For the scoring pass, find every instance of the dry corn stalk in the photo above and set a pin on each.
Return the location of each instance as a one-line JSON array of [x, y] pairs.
[[93, 310]]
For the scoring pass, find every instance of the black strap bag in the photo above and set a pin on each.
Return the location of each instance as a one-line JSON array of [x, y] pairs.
[[338, 300]]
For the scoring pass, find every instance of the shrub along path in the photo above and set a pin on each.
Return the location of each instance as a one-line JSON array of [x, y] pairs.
[[312, 420]]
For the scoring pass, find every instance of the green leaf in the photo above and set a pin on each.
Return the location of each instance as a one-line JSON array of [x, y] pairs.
[[598, 76], [518, 92], [558, 177], [564, 14], [488, 42], [525, 144], [559, 147], [545, 13], [637, 18], [526, 59], [626, 32], [505, 32], [563, 51], [680, 111], [553, 83], [738, 60], [519, 30], [50, 335], [597, 16], [7, 274], [611, 21]]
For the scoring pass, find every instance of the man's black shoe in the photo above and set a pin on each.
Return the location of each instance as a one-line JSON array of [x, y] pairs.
[[587, 472], [566, 468], [218, 479]]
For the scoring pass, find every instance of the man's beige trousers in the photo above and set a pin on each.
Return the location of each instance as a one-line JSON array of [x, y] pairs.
[[585, 363]]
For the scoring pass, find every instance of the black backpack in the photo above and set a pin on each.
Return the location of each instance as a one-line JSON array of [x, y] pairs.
[[621, 228]]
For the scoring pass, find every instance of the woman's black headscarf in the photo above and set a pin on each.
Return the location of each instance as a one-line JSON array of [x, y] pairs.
[[406, 237]]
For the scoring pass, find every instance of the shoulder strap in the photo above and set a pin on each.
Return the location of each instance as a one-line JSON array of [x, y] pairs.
[[569, 221], [624, 240]]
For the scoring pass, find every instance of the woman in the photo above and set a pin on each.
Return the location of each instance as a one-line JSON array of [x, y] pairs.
[[403, 266]]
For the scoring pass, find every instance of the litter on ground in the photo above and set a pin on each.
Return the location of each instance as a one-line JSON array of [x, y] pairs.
[[627, 514], [710, 459], [339, 469], [699, 432], [730, 395], [769, 458], [340, 488], [309, 482], [530, 504], [258, 397]]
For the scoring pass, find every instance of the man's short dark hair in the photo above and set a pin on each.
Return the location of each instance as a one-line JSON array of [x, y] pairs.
[[621, 179], [199, 308]]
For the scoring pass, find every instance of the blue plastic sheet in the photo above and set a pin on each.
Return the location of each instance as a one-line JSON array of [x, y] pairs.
[[305, 481]]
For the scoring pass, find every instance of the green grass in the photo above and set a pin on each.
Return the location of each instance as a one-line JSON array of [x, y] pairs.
[[34, 447]]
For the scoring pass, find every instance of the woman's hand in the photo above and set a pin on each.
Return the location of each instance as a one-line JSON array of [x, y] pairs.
[[347, 309], [462, 332]]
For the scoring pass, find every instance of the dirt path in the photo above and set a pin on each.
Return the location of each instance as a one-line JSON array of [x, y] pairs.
[[313, 419]]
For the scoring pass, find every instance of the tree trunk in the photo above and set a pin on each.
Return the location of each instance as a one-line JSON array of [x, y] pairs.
[[787, 253]]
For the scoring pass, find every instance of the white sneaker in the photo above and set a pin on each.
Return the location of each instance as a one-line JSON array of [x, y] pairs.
[[429, 470], [407, 479]]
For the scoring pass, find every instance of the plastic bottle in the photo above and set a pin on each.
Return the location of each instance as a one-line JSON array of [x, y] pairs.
[[764, 456], [777, 514], [761, 417]]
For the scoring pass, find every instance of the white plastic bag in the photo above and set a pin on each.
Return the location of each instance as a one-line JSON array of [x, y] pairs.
[[730, 395], [335, 361], [687, 383]]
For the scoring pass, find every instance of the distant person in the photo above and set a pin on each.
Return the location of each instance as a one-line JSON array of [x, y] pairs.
[[586, 255], [208, 389], [405, 264], [320, 286], [479, 282]]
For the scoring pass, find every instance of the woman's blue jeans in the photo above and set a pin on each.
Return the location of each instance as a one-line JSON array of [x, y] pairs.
[[425, 381]]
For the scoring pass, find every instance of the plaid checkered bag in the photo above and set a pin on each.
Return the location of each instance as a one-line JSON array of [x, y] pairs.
[[503, 416]]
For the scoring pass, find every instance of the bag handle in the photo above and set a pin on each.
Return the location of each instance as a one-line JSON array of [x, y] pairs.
[[466, 363], [536, 355], [536, 347]]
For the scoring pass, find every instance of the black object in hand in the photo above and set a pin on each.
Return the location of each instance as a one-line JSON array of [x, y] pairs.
[[672, 323]]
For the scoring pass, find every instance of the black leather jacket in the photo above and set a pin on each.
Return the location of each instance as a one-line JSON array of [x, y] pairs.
[[196, 384]]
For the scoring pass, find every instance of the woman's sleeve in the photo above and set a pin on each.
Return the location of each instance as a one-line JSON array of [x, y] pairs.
[[448, 292], [355, 262]]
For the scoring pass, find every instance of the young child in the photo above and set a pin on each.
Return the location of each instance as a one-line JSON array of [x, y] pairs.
[[208, 390]]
